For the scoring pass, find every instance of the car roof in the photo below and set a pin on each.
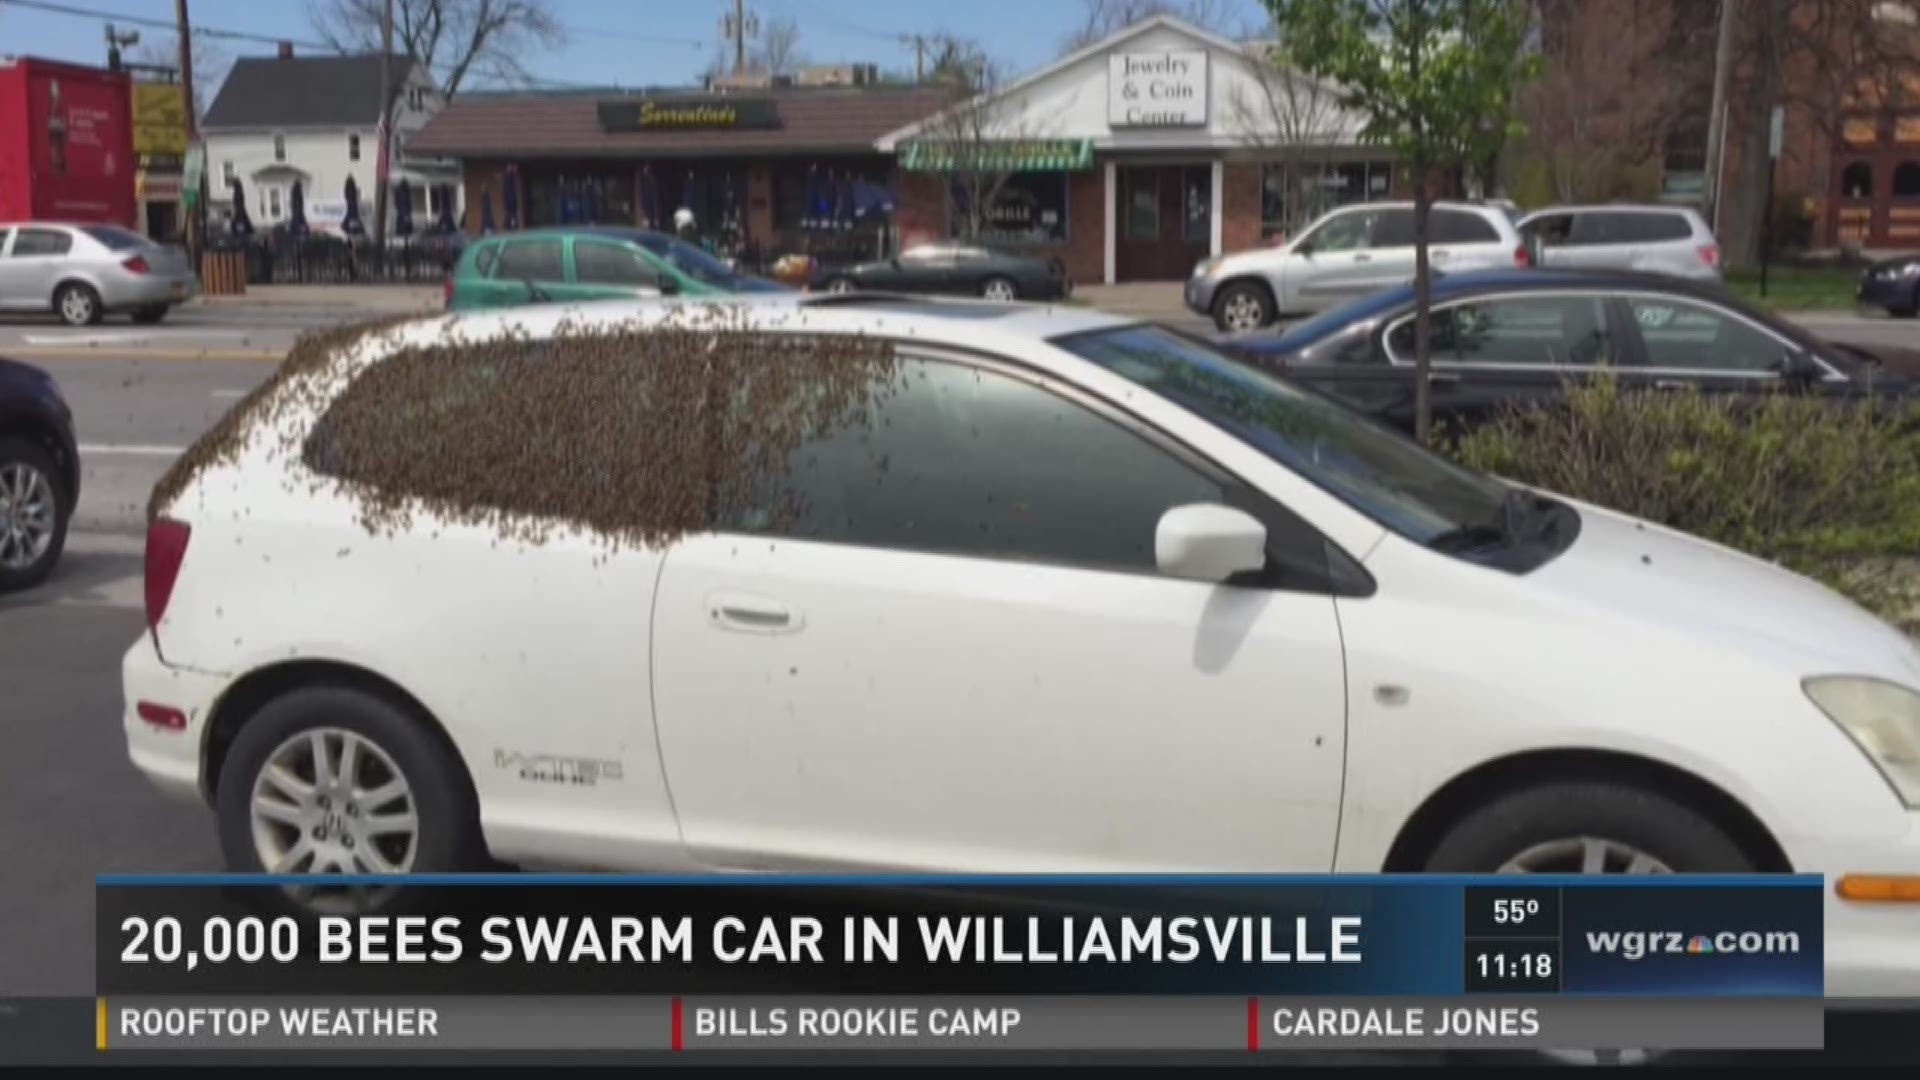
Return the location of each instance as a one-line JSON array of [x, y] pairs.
[[1618, 208], [955, 323], [611, 232]]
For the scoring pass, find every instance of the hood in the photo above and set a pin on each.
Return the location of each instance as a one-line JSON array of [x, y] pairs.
[[1898, 361], [15, 371], [1704, 590]]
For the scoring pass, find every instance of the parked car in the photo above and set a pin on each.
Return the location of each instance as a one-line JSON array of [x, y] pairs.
[[955, 268], [39, 474], [1893, 285], [1672, 240], [588, 263], [1504, 337], [83, 272], [1346, 254], [1048, 591]]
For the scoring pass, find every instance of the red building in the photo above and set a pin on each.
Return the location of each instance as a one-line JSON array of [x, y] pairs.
[[66, 143]]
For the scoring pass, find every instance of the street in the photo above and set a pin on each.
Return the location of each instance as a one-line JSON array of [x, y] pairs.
[[70, 804]]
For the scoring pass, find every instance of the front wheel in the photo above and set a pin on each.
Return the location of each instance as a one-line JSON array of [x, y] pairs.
[[329, 780], [1588, 827], [999, 288], [33, 514], [77, 304], [1242, 306], [841, 285]]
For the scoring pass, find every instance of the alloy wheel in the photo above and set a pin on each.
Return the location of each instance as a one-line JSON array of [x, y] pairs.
[[839, 285], [330, 801], [1242, 311], [76, 307], [28, 515], [998, 290]]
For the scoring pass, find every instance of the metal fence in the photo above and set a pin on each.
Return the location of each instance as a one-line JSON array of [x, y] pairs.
[[278, 259]]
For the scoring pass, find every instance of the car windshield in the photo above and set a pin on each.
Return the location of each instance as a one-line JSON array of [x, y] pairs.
[[1412, 491], [116, 238], [704, 268]]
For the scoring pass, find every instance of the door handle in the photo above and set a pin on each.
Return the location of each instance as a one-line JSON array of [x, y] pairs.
[[751, 614]]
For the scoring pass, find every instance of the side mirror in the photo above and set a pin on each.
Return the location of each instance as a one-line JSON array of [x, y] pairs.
[[1304, 249], [894, 262], [1209, 542], [1800, 369], [669, 287]]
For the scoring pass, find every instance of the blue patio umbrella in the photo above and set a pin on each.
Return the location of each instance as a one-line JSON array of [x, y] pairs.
[[297, 210], [486, 211], [570, 202], [402, 209], [350, 222], [729, 204], [444, 222], [649, 199], [843, 202], [870, 198], [242, 224], [510, 197], [693, 196], [590, 201]]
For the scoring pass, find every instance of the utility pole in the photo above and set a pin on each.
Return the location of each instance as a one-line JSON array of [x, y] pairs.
[[197, 210], [1717, 118], [385, 132], [117, 41], [919, 43], [738, 27]]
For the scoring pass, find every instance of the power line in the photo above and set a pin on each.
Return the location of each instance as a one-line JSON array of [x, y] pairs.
[[161, 24]]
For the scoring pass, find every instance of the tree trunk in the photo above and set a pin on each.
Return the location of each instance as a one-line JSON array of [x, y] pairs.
[[1745, 205]]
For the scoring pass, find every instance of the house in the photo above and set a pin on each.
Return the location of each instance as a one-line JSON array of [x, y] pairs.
[[315, 119], [1141, 154]]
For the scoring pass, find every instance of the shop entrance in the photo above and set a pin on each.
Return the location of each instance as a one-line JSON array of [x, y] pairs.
[[1165, 221]]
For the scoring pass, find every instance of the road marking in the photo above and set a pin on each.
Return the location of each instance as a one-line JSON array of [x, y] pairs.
[[51, 354], [131, 450], [122, 337]]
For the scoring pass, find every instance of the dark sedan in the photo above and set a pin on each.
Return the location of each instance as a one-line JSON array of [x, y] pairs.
[[1508, 337], [1893, 285], [958, 269], [39, 474]]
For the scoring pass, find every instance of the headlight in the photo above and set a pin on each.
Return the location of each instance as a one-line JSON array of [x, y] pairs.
[[1912, 269], [1883, 718], [1204, 267]]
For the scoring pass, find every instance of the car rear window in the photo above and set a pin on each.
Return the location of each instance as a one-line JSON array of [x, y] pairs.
[[1651, 228], [1629, 227], [1461, 227], [116, 238]]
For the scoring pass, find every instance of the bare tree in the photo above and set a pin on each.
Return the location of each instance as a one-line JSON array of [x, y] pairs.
[[1102, 18], [1302, 121], [960, 62], [973, 143], [459, 41], [779, 51], [1605, 98], [211, 59]]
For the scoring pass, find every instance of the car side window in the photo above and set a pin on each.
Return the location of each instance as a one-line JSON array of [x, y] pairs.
[[1460, 227], [484, 259], [599, 263], [1554, 230], [32, 242], [1660, 228], [1393, 229], [530, 260], [1683, 334], [1344, 232], [966, 461], [1531, 331]]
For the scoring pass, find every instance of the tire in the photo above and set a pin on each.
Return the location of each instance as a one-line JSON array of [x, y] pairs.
[[1241, 306], [1493, 836], [150, 314], [34, 511], [999, 288], [393, 745], [1910, 308], [77, 304], [842, 284]]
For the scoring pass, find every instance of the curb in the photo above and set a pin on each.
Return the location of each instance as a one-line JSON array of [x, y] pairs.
[[57, 354]]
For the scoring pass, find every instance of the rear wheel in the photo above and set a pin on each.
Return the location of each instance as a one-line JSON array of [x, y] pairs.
[[150, 314], [1588, 827], [33, 514], [1242, 306], [328, 780], [999, 288], [77, 304]]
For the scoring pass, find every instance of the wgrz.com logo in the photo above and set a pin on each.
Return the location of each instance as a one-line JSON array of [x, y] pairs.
[[1640, 944]]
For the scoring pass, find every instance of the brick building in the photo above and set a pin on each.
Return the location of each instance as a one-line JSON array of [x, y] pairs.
[[1144, 153]]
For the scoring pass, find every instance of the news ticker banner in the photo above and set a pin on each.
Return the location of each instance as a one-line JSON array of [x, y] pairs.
[[1014, 962]]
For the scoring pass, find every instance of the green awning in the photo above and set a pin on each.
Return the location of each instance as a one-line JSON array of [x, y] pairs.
[[1010, 155]]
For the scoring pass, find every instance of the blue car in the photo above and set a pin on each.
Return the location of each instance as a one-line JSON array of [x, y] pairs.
[[39, 474], [1892, 285]]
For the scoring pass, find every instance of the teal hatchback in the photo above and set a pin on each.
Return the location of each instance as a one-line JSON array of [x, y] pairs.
[[588, 263]]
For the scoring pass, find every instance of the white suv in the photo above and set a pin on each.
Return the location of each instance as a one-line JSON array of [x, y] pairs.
[[1346, 254], [1672, 240], [860, 582]]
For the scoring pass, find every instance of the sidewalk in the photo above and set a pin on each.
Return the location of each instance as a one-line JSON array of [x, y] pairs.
[[371, 298], [1157, 300]]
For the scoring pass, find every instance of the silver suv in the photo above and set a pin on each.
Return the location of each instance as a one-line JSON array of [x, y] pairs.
[[1348, 253], [1671, 240]]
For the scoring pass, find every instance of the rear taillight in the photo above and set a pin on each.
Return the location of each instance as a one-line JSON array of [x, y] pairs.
[[1522, 257], [161, 716], [166, 548], [1710, 255], [136, 264], [446, 292]]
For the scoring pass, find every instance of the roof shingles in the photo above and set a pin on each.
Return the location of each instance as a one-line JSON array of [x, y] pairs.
[[535, 125], [303, 91]]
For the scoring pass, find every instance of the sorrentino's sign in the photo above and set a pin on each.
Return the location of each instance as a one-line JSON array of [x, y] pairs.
[[688, 113], [1161, 89]]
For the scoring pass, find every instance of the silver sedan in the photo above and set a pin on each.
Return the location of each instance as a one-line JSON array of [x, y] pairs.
[[82, 272]]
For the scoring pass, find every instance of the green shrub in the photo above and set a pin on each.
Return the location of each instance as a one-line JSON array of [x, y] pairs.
[[1828, 489]]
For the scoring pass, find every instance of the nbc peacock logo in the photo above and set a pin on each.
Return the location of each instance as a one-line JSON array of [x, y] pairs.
[[1699, 943]]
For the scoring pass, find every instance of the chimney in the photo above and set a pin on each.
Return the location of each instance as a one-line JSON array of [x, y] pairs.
[[286, 50]]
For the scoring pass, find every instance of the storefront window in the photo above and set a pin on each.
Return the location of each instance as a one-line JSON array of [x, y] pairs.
[[1196, 203], [577, 198], [1031, 207], [1293, 194], [1143, 204]]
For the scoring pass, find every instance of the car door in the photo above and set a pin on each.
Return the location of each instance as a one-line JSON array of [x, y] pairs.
[[34, 265], [13, 289], [1501, 351], [1334, 262], [1391, 258], [529, 271], [1688, 342], [1461, 240], [959, 654], [611, 270], [926, 269]]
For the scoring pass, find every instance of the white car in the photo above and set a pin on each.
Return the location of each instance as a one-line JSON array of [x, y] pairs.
[[1068, 594]]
